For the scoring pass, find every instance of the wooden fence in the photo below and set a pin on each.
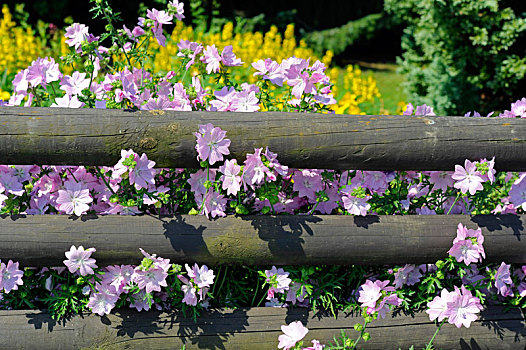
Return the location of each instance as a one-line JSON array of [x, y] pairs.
[[69, 137]]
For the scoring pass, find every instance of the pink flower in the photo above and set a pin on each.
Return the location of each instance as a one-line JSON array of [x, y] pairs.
[[292, 294], [197, 181], [161, 17], [476, 236], [151, 280], [466, 251], [468, 178], [293, 333], [10, 276], [215, 204], [103, 300], [407, 275], [43, 71], [462, 309], [80, 259], [369, 294], [278, 280], [190, 298], [202, 277], [74, 84], [211, 143], [230, 178], [224, 98], [245, 102], [212, 59], [142, 174], [355, 205], [178, 8], [307, 183], [76, 34], [270, 70], [438, 306], [503, 280], [229, 58], [74, 198], [519, 108], [140, 302], [424, 110], [441, 180], [316, 345], [67, 101]]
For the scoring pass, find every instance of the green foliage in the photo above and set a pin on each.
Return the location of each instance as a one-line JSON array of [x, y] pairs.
[[339, 38], [462, 55]]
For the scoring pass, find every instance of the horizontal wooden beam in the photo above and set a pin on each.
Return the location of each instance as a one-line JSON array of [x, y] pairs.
[[58, 136], [41, 240], [249, 329]]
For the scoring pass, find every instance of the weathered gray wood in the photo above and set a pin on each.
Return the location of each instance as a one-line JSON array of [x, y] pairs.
[[41, 240], [250, 329], [95, 137]]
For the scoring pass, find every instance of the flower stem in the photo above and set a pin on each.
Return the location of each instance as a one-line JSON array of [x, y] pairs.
[[360, 336], [429, 345], [452, 205]]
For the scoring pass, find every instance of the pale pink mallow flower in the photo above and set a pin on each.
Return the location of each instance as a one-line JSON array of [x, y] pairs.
[[151, 280], [278, 280], [270, 70], [201, 276], [316, 345], [407, 275], [215, 204], [465, 251], [355, 205], [519, 108], [197, 180], [463, 233], [229, 58], [178, 8], [230, 178], [139, 301], [74, 84], [424, 110], [211, 143], [190, 297], [67, 101], [10, 276], [245, 101], [463, 309], [74, 198], [503, 281], [374, 296], [518, 192], [212, 59], [103, 299], [370, 293], [43, 71], [441, 180], [292, 294], [80, 260], [436, 309], [293, 333], [118, 276], [161, 17], [76, 34], [307, 183], [143, 173], [468, 178]]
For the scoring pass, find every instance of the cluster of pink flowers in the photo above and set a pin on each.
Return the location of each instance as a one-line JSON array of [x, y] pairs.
[[144, 279], [460, 307], [198, 282], [377, 296], [279, 282], [467, 246]]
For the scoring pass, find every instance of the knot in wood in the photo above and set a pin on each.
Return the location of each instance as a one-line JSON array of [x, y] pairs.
[[148, 143]]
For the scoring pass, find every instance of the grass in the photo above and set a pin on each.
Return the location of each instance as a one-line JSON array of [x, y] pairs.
[[389, 84]]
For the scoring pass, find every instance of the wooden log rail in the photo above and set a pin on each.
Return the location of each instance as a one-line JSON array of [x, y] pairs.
[[250, 329], [62, 136], [57, 136], [41, 240]]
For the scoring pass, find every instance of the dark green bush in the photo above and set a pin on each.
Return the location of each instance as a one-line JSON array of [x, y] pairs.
[[461, 55]]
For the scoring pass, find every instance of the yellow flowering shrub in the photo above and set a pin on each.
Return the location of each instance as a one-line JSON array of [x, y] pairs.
[[18, 47]]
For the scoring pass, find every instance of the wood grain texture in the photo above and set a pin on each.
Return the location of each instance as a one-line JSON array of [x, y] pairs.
[[249, 329], [41, 240], [62, 136]]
